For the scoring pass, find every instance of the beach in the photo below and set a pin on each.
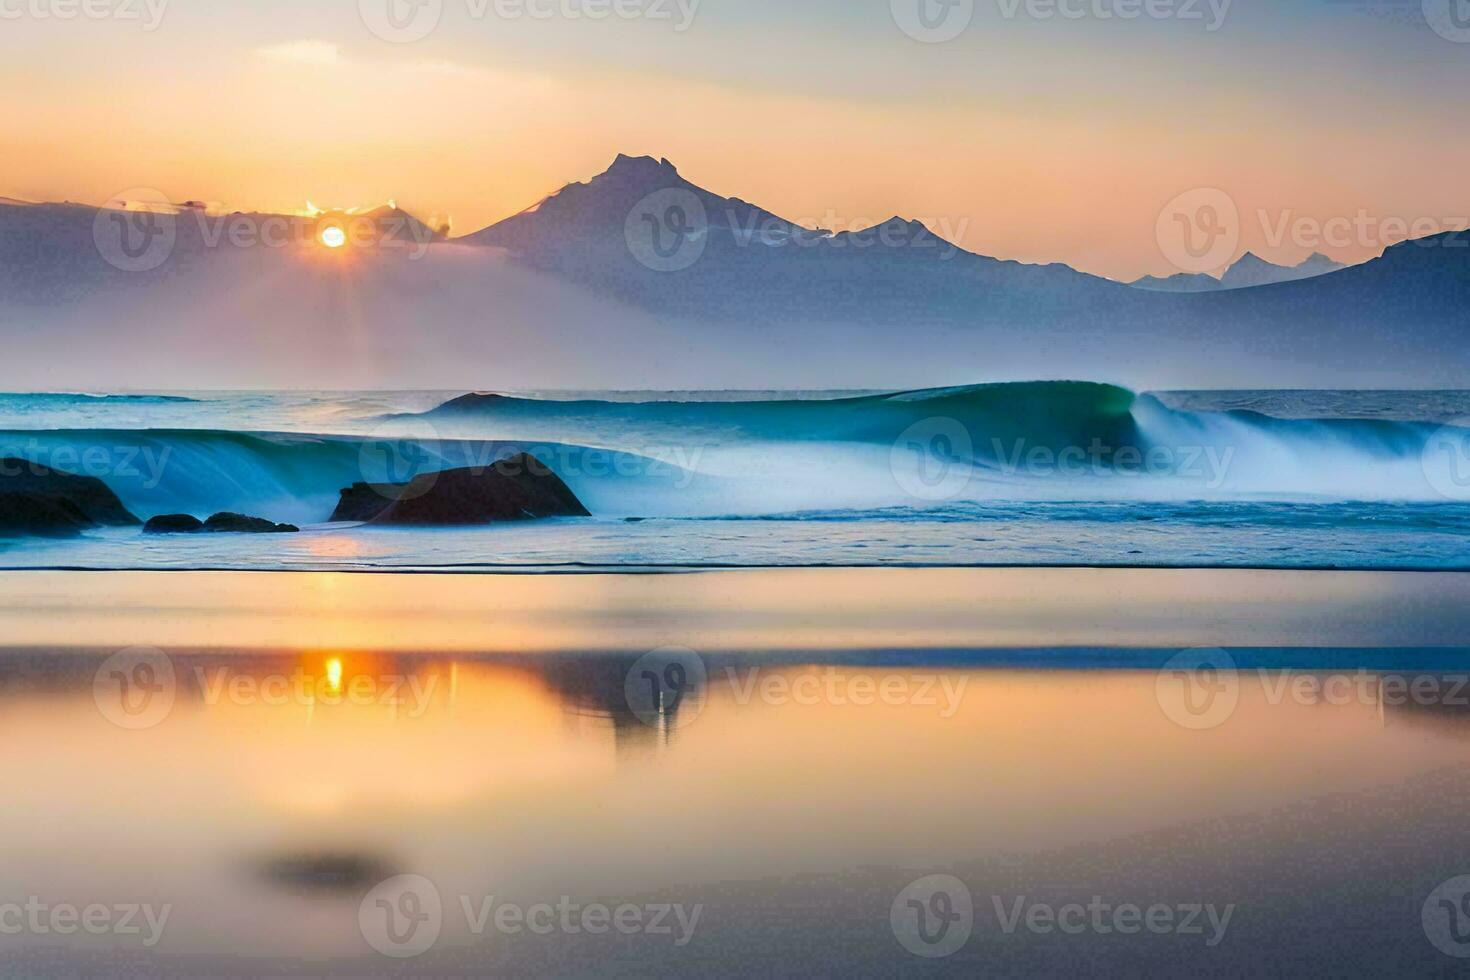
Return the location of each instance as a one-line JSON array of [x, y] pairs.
[[530, 489], [259, 753]]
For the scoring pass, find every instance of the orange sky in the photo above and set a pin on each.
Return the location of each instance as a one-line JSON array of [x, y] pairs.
[[1041, 141]]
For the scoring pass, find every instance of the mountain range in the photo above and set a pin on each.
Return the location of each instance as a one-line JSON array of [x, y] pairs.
[[1249, 270], [639, 278]]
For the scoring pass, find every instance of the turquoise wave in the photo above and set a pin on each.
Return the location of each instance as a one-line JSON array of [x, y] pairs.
[[289, 476], [922, 450]]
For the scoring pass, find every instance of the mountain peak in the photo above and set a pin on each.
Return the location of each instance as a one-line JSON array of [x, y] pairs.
[[641, 167], [1252, 270], [1180, 282], [598, 210], [1250, 260], [1318, 263], [894, 226], [910, 224], [1248, 270]]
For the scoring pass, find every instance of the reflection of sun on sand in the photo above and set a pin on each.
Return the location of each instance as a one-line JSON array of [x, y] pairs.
[[1061, 777], [779, 609], [423, 717], [334, 675]]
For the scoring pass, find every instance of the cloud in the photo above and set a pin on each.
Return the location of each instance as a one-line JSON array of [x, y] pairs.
[[440, 67], [320, 53]]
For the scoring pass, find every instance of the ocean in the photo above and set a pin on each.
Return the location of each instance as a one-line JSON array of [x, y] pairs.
[[1044, 473]]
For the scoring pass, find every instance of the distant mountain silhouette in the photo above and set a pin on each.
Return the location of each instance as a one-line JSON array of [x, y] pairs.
[[639, 278], [1252, 270], [50, 253], [1249, 270], [1181, 282], [753, 259], [600, 207]]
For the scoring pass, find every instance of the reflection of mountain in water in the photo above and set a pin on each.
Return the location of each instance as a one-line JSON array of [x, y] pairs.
[[1437, 701], [598, 686], [605, 687]]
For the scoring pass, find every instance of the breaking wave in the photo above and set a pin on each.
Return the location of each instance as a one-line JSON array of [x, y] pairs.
[[919, 450], [1045, 440]]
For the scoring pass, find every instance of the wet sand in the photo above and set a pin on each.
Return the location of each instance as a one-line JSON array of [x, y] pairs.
[[740, 611], [283, 746]]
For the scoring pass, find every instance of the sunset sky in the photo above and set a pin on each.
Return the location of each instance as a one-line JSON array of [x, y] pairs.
[[1040, 138]]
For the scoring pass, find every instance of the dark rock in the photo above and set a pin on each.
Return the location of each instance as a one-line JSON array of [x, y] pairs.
[[173, 524], [240, 524], [34, 514], [515, 489], [223, 523], [89, 495]]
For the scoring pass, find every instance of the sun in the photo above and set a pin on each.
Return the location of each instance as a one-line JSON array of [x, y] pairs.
[[333, 237]]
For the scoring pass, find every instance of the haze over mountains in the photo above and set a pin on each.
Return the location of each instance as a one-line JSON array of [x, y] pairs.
[[639, 278]]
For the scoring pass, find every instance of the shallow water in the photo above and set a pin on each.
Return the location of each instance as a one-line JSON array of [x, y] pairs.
[[830, 738], [1429, 536]]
